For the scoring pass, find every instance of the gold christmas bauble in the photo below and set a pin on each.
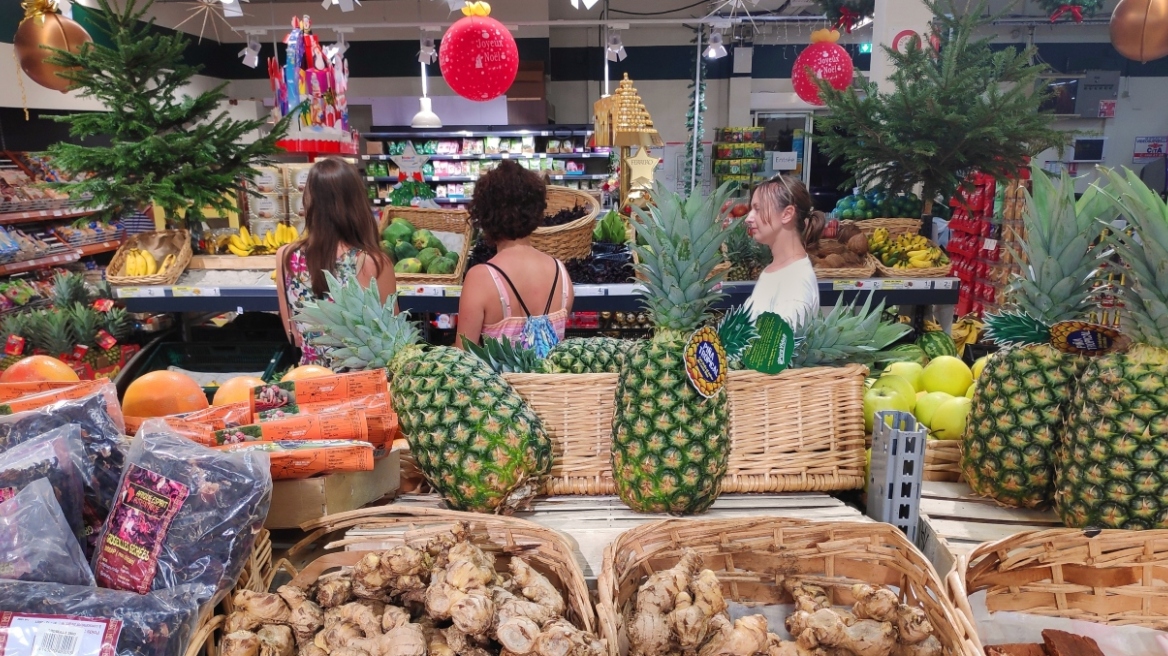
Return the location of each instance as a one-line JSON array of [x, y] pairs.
[[1139, 29], [44, 27]]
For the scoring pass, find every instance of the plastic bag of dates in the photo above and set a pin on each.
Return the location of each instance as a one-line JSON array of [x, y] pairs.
[[36, 543], [58, 456]]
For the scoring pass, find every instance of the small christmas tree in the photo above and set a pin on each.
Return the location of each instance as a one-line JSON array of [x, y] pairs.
[[954, 109], [166, 147]]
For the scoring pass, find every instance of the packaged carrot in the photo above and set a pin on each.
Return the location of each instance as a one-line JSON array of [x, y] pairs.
[[222, 416], [329, 389], [9, 391], [300, 459], [371, 403], [350, 425], [41, 399]]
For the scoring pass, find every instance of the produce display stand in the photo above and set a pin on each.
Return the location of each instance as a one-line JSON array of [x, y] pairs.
[[954, 522]]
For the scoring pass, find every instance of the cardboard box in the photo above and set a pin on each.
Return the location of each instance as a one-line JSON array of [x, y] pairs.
[[296, 502]]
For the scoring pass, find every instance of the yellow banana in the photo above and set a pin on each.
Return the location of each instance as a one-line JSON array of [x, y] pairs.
[[139, 264], [167, 262], [285, 234], [238, 242], [246, 237], [295, 234], [919, 253], [238, 251], [129, 264]]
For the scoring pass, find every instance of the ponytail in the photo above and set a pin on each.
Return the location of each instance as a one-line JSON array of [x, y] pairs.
[[811, 227]]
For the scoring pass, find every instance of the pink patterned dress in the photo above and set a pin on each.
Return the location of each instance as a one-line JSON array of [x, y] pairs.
[[298, 289]]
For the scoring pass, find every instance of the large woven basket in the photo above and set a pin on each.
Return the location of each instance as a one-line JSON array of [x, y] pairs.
[[160, 244], [445, 220], [505, 537], [576, 411], [752, 557], [571, 241], [864, 271], [894, 226], [943, 461], [798, 431], [1107, 577]]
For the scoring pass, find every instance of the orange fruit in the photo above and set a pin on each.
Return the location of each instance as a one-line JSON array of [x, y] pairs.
[[162, 393], [236, 390], [37, 368], [305, 372]]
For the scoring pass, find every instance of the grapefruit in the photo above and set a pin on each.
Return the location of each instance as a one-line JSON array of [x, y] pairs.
[[162, 393], [37, 368], [236, 390], [305, 372]]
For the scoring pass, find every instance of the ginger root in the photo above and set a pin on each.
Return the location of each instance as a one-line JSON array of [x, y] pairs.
[[263, 606], [648, 629], [912, 625], [930, 646], [361, 615], [310, 649], [509, 606], [745, 637], [305, 617], [517, 635], [560, 638], [405, 640], [879, 603], [779, 647], [535, 586], [690, 618], [474, 613], [808, 596], [276, 640], [394, 617], [866, 637], [368, 581], [240, 643], [334, 590], [464, 645]]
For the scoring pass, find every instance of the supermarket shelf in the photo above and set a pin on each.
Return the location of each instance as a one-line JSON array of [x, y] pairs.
[[102, 247], [589, 298], [470, 158], [467, 178], [11, 218], [40, 262], [480, 131]]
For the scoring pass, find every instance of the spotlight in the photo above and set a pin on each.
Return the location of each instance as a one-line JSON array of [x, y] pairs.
[[616, 49], [251, 52], [716, 50], [427, 54]]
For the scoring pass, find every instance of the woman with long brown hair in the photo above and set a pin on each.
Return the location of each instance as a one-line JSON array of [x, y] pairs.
[[340, 236], [782, 218]]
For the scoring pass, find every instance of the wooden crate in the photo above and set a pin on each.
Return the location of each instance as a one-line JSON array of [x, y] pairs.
[[954, 521], [590, 524]]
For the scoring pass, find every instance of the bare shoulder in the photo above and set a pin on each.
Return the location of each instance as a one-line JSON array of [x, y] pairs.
[[476, 276]]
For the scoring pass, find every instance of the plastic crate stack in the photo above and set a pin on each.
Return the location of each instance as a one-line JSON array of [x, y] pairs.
[[985, 221]]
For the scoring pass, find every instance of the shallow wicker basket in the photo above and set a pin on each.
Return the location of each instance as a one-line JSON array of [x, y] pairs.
[[160, 244], [894, 226], [864, 271], [943, 461], [931, 272], [576, 411], [752, 557], [444, 220], [571, 241], [798, 431], [505, 537], [1108, 577]]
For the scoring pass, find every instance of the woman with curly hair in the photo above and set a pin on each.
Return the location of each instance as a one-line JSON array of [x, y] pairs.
[[521, 294]]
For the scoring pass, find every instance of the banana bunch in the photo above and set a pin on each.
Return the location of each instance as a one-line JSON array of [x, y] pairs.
[[245, 243], [906, 251], [143, 263], [967, 330]]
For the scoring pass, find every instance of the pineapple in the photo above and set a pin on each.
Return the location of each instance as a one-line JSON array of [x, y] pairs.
[[594, 355], [846, 335], [478, 443], [52, 332], [85, 322], [69, 288], [1016, 422], [737, 332], [1112, 471], [671, 445], [117, 322]]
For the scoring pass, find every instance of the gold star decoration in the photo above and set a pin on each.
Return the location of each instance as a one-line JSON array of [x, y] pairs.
[[642, 169]]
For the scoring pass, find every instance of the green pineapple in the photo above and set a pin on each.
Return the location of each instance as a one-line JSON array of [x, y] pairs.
[[1111, 473], [85, 322], [117, 322], [69, 288], [593, 355], [479, 444], [504, 357], [52, 332], [846, 335], [671, 445], [1016, 422]]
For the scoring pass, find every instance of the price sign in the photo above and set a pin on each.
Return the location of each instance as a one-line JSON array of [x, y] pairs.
[[141, 292], [191, 292]]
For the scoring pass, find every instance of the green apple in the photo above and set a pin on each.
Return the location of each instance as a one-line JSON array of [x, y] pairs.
[[927, 406], [979, 366], [970, 392], [910, 371], [947, 374], [900, 386], [882, 398], [949, 420]]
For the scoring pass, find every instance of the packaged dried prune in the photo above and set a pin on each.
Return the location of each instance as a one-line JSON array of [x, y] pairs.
[[36, 543], [59, 456], [101, 431], [184, 514], [97, 622]]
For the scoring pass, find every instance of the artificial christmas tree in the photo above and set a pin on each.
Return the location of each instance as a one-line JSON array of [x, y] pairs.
[[167, 147], [961, 107]]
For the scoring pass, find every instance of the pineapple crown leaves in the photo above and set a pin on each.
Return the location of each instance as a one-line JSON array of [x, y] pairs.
[[683, 240], [737, 331], [85, 323], [363, 332], [846, 334], [1146, 255], [504, 357], [1062, 261], [1016, 329]]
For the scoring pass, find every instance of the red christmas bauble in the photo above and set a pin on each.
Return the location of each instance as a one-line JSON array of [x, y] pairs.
[[826, 61], [479, 58]]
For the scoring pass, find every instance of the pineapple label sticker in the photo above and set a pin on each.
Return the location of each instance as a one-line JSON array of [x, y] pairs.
[[1080, 338], [705, 362], [771, 352]]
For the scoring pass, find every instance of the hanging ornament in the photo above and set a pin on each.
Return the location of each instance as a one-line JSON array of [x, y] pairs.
[[846, 14], [824, 59], [478, 56], [1139, 29], [43, 26], [1075, 9]]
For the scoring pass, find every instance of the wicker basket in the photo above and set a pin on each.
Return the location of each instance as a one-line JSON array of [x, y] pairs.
[[257, 573], [894, 226], [456, 221], [932, 272], [798, 431], [571, 241], [1107, 577], [205, 642], [160, 244], [576, 411], [753, 556], [943, 461], [505, 537], [864, 271]]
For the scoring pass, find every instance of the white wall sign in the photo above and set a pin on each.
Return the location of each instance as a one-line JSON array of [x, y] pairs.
[[785, 161], [1148, 149]]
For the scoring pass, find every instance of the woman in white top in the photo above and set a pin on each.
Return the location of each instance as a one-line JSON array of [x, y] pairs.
[[781, 218]]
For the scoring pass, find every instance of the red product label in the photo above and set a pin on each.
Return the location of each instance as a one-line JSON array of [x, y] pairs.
[[106, 340], [103, 305], [136, 530], [7, 493], [79, 351], [14, 345]]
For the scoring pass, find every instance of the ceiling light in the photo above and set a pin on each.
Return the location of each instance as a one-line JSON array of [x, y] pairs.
[[251, 52], [427, 54], [588, 4], [345, 5], [426, 118], [455, 5], [616, 49], [716, 49]]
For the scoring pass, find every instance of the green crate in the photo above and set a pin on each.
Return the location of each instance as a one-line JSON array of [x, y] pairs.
[[211, 357]]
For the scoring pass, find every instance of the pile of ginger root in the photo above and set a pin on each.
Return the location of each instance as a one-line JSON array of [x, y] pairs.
[[682, 612], [445, 599]]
